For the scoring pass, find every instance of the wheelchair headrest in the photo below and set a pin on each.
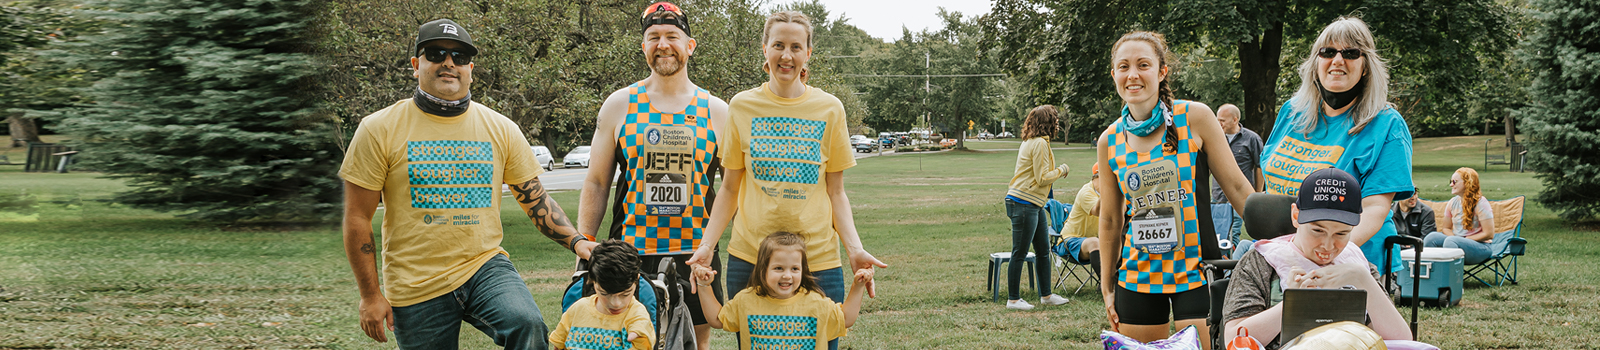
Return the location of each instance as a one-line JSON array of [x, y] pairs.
[[1266, 216]]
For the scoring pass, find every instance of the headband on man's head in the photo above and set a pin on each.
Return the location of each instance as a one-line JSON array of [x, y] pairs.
[[652, 16]]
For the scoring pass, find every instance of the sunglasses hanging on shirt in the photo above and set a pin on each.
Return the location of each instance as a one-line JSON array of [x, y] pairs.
[[437, 55]]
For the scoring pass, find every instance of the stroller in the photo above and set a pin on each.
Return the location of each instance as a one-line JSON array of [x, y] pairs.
[[663, 301]]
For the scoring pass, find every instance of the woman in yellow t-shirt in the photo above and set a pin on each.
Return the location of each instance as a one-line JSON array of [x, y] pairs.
[[784, 168]]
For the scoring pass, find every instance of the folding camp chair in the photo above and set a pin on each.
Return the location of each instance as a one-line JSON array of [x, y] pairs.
[[1507, 245], [1080, 271]]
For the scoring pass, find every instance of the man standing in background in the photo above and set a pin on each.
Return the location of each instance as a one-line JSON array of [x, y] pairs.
[[1246, 146]]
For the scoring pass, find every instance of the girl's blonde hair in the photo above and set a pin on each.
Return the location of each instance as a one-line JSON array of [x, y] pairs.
[[787, 17], [1308, 100], [782, 241], [1470, 196]]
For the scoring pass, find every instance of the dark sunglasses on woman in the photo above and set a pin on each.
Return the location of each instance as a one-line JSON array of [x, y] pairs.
[[1349, 54], [437, 55]]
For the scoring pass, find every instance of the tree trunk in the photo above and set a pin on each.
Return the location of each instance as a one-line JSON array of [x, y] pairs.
[[961, 135], [1066, 130], [1258, 75], [23, 130], [1511, 129]]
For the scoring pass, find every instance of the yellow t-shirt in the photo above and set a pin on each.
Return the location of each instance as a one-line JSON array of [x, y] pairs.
[[1079, 222], [584, 327], [440, 179], [787, 147], [804, 321]]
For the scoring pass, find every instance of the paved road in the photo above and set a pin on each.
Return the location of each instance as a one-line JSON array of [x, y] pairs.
[[563, 179]]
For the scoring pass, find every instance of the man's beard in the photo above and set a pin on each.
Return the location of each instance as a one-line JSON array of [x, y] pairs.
[[666, 68]]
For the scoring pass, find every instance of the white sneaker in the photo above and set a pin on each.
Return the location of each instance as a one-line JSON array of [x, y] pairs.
[[1018, 305], [1052, 300]]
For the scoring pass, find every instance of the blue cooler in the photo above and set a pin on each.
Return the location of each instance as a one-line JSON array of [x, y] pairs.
[[1439, 276]]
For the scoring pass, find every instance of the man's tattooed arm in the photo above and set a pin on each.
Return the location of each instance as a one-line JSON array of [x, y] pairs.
[[545, 213]]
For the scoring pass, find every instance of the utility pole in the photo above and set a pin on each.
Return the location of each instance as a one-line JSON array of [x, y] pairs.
[[927, 64]]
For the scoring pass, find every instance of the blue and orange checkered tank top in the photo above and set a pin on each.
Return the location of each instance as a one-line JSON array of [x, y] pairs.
[[669, 156], [1161, 246]]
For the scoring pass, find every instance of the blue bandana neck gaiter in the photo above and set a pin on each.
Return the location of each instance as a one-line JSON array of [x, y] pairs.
[[1158, 116]]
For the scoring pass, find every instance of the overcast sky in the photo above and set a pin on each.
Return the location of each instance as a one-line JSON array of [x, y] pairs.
[[884, 18]]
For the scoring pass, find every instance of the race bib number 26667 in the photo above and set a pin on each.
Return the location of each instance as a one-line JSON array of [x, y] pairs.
[[1155, 232]]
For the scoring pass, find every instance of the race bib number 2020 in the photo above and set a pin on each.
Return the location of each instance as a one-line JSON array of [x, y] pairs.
[[666, 193]]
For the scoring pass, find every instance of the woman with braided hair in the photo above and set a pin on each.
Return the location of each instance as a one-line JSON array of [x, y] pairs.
[[1151, 151], [1469, 215]]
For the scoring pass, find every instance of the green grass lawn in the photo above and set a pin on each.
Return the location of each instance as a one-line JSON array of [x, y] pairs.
[[92, 274]]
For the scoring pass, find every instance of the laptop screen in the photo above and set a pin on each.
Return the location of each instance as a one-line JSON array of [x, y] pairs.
[[1307, 309]]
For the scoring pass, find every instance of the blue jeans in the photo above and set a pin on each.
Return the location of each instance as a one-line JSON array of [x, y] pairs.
[[495, 300], [831, 281], [1227, 224], [1027, 228], [1476, 252]]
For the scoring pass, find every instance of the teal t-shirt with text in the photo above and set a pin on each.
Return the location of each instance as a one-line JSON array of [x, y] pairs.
[[1379, 157]]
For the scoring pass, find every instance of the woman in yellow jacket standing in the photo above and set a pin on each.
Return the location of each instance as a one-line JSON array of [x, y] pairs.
[[1025, 199]]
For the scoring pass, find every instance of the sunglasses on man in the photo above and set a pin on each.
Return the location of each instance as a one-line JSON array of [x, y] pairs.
[[437, 55], [1349, 54]]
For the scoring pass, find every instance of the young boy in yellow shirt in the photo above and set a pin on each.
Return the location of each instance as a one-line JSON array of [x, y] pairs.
[[611, 318]]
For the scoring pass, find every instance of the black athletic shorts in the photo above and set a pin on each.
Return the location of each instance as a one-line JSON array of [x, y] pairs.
[[1144, 309], [648, 263]]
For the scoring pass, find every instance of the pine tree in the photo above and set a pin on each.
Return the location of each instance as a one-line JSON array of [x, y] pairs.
[[205, 112], [1564, 116]]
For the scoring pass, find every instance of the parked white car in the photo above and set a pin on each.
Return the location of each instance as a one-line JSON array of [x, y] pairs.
[[578, 157], [546, 159]]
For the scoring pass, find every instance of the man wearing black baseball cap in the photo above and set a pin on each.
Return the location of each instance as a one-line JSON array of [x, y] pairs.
[[438, 160], [663, 133], [1318, 255]]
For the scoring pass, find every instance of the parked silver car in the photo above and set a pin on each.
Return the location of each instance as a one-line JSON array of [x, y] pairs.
[[546, 159], [578, 157]]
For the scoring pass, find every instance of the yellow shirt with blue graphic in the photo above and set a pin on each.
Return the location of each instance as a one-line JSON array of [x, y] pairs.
[[804, 321], [584, 327], [786, 146], [440, 178]]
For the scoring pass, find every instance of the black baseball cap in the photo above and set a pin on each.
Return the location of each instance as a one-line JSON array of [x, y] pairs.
[[653, 16], [444, 29], [1330, 194]]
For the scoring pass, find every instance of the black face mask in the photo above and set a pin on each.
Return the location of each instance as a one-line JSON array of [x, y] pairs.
[[441, 107], [1338, 100]]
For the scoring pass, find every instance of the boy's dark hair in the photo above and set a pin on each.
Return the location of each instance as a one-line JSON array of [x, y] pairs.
[[774, 242], [614, 266]]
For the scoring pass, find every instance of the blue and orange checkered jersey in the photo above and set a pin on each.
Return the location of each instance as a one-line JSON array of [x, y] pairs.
[[669, 159], [1161, 246]]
